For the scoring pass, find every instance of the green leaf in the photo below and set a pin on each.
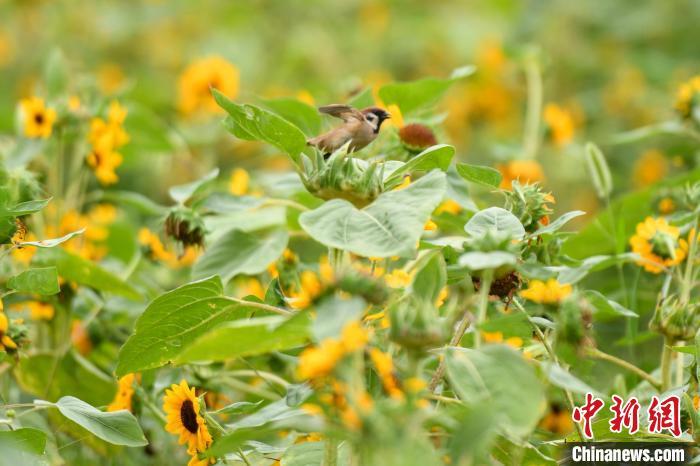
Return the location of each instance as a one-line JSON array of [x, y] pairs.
[[390, 226], [499, 376], [43, 281], [256, 124], [50, 376], [438, 156], [312, 454], [479, 174], [362, 99], [558, 223], [575, 274], [24, 208], [50, 243], [136, 200], [477, 260], [607, 308], [182, 193], [333, 313], [303, 116], [117, 427], [598, 170], [248, 337], [56, 74], [173, 321], [22, 447], [430, 278], [562, 378], [237, 252], [495, 218], [84, 272], [414, 95]]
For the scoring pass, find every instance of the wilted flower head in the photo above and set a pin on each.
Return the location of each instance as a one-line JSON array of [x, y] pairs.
[[417, 137]]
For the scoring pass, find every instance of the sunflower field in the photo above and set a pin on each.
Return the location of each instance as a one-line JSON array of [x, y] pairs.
[[492, 253]]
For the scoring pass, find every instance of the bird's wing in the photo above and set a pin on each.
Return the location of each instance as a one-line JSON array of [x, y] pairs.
[[344, 112]]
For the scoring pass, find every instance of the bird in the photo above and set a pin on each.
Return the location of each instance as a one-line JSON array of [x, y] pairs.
[[360, 128]]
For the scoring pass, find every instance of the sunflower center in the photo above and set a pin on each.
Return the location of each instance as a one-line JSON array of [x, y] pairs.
[[188, 416], [39, 118]]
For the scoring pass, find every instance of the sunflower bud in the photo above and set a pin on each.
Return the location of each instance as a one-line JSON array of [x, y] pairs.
[[343, 177], [416, 325], [676, 320], [186, 226], [530, 204], [416, 137]]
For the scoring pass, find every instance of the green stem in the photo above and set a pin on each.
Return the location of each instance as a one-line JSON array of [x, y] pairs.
[[554, 358], [666, 363], [330, 455], [459, 333], [531, 136], [484, 288], [597, 354]]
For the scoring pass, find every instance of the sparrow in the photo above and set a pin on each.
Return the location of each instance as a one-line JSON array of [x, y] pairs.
[[360, 127]]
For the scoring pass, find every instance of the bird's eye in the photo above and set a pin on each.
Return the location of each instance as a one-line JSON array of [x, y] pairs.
[[371, 117]]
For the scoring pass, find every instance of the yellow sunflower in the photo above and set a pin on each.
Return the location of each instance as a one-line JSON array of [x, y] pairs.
[[549, 292], [658, 244], [125, 392], [181, 407], [6, 343], [38, 119]]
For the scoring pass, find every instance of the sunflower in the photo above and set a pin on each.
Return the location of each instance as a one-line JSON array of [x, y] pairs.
[[125, 391], [6, 343], [658, 244], [38, 119], [549, 292], [181, 406]]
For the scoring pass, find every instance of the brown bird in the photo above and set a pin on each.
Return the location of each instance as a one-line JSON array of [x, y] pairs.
[[360, 127]]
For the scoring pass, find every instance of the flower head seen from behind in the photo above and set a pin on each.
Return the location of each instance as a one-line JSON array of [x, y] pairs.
[[196, 82], [658, 244], [37, 118], [182, 409], [125, 392], [549, 292]]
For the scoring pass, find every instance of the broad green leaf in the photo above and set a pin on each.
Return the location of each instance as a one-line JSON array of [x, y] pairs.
[[304, 116], [362, 99], [117, 427], [558, 223], [499, 376], [333, 313], [623, 214], [256, 124], [174, 320], [390, 226], [575, 274], [486, 176], [237, 252], [225, 203], [562, 378], [84, 272], [494, 218], [51, 243], [22, 447], [430, 278], [414, 95], [50, 376], [136, 200], [24, 208], [248, 337], [56, 74], [607, 308], [477, 260], [312, 453], [43, 281], [184, 192], [438, 156], [598, 170]]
